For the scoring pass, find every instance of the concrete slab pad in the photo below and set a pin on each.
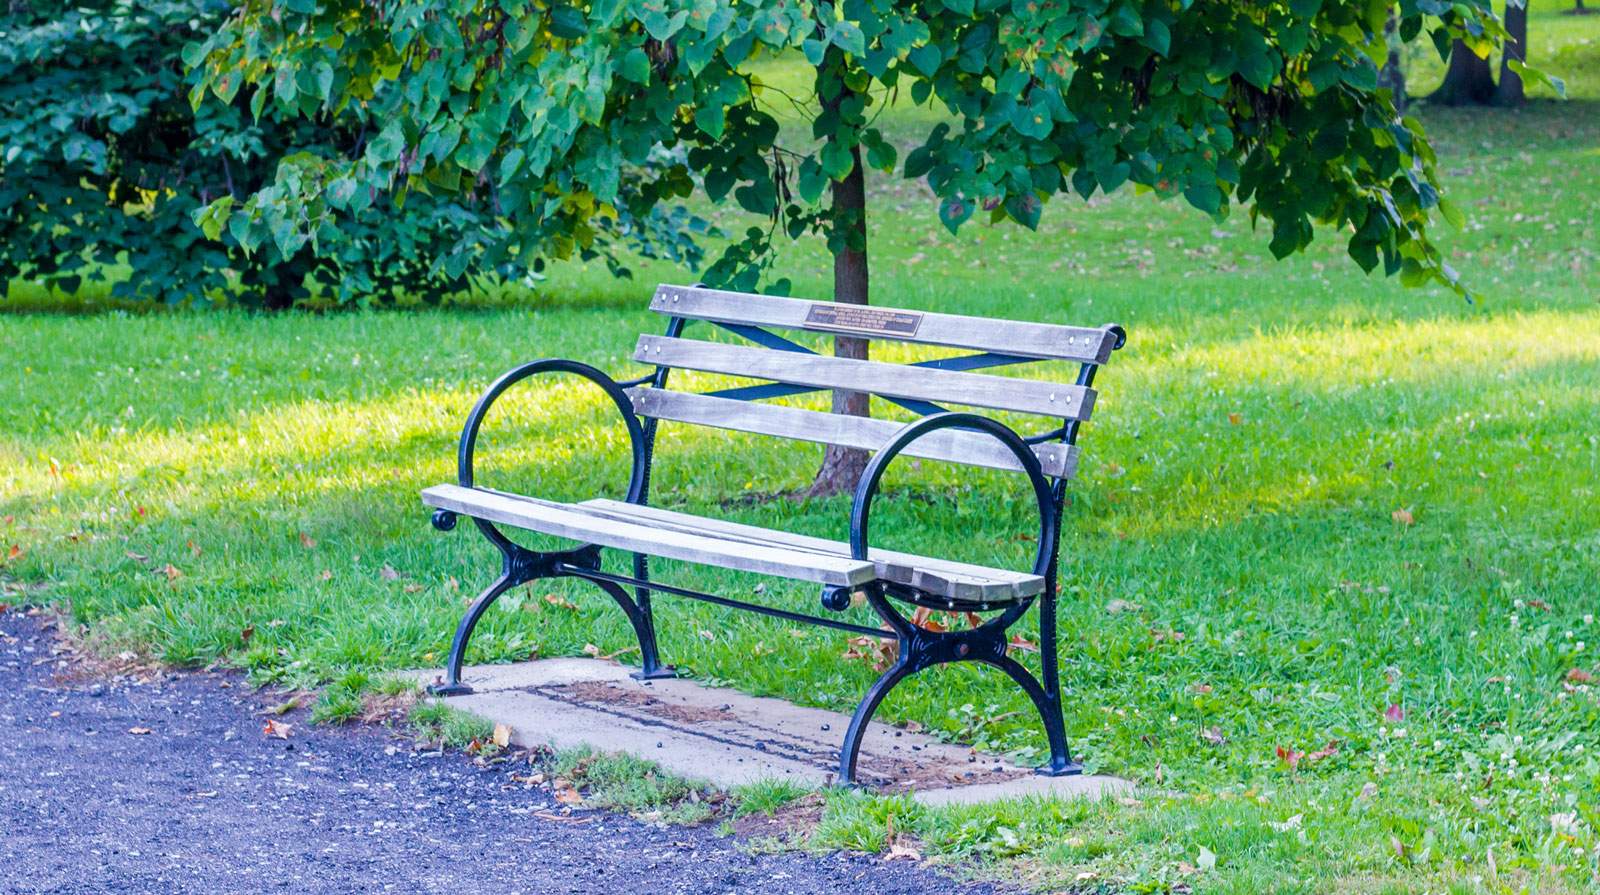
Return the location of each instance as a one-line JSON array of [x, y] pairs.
[[729, 738]]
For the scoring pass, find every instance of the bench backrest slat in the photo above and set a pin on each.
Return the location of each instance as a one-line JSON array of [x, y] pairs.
[[1070, 402], [1038, 340], [954, 445]]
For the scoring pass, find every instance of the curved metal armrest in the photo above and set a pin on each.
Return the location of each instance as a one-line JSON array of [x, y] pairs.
[[445, 520], [861, 509]]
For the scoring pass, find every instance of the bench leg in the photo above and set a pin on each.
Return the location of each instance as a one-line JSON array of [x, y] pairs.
[[986, 644], [650, 667], [452, 685]]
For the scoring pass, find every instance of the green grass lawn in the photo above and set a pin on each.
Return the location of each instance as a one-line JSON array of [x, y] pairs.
[[1370, 513]]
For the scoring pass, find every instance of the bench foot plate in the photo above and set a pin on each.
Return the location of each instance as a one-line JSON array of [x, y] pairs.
[[455, 689], [660, 673], [1065, 769]]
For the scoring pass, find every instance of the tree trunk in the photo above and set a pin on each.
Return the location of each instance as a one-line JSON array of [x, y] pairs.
[[1467, 82], [841, 466], [1509, 93], [1392, 75]]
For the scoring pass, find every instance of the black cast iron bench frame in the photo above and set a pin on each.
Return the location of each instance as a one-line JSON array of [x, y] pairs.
[[918, 647]]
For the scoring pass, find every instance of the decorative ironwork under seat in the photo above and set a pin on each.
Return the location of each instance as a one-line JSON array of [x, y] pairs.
[[841, 569]]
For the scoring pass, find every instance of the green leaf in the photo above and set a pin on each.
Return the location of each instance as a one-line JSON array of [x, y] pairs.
[[711, 117], [927, 59], [1025, 210], [814, 50], [568, 22], [636, 66], [847, 36], [813, 180], [836, 160], [1204, 196], [1125, 20], [324, 77], [1257, 69], [1305, 9], [1157, 36], [882, 156], [1112, 176], [1452, 214], [961, 7], [954, 211]]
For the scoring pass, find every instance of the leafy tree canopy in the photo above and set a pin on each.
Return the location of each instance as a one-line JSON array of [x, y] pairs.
[[104, 163], [560, 109]]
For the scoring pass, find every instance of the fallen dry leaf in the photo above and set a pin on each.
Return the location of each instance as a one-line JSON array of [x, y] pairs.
[[1213, 735], [502, 735], [1403, 517], [1325, 752], [326, 575], [1579, 676], [1019, 642], [1117, 607], [278, 729], [898, 852], [569, 796], [307, 542], [590, 649], [1394, 713], [194, 550], [879, 652], [136, 557], [1368, 790], [1235, 419], [388, 573], [555, 600], [170, 571], [413, 588], [1201, 688], [139, 731], [923, 618], [1289, 756]]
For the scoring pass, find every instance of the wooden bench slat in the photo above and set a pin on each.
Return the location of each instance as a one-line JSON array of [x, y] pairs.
[[1041, 340], [896, 380], [971, 448], [964, 582], [570, 521]]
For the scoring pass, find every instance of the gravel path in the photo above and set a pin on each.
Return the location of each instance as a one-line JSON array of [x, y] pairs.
[[205, 803]]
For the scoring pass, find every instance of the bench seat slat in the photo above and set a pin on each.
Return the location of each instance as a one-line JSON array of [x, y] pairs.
[[963, 582], [571, 521], [896, 380], [972, 448], [1040, 340]]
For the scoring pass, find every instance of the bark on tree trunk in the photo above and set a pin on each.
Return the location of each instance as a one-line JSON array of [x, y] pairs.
[[842, 467], [1467, 82], [1510, 93], [1392, 75]]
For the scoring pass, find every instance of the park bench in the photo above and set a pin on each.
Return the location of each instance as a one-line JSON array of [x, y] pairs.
[[882, 578]]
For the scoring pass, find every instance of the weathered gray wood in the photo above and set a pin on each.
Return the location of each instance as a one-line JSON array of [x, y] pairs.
[[1042, 340], [954, 445], [959, 581], [894, 380], [572, 521]]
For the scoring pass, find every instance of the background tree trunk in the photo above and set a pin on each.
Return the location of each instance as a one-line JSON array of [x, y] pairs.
[[1467, 82], [842, 467], [1392, 75], [1509, 93]]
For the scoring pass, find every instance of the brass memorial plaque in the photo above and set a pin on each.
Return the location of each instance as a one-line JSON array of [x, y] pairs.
[[863, 319]]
